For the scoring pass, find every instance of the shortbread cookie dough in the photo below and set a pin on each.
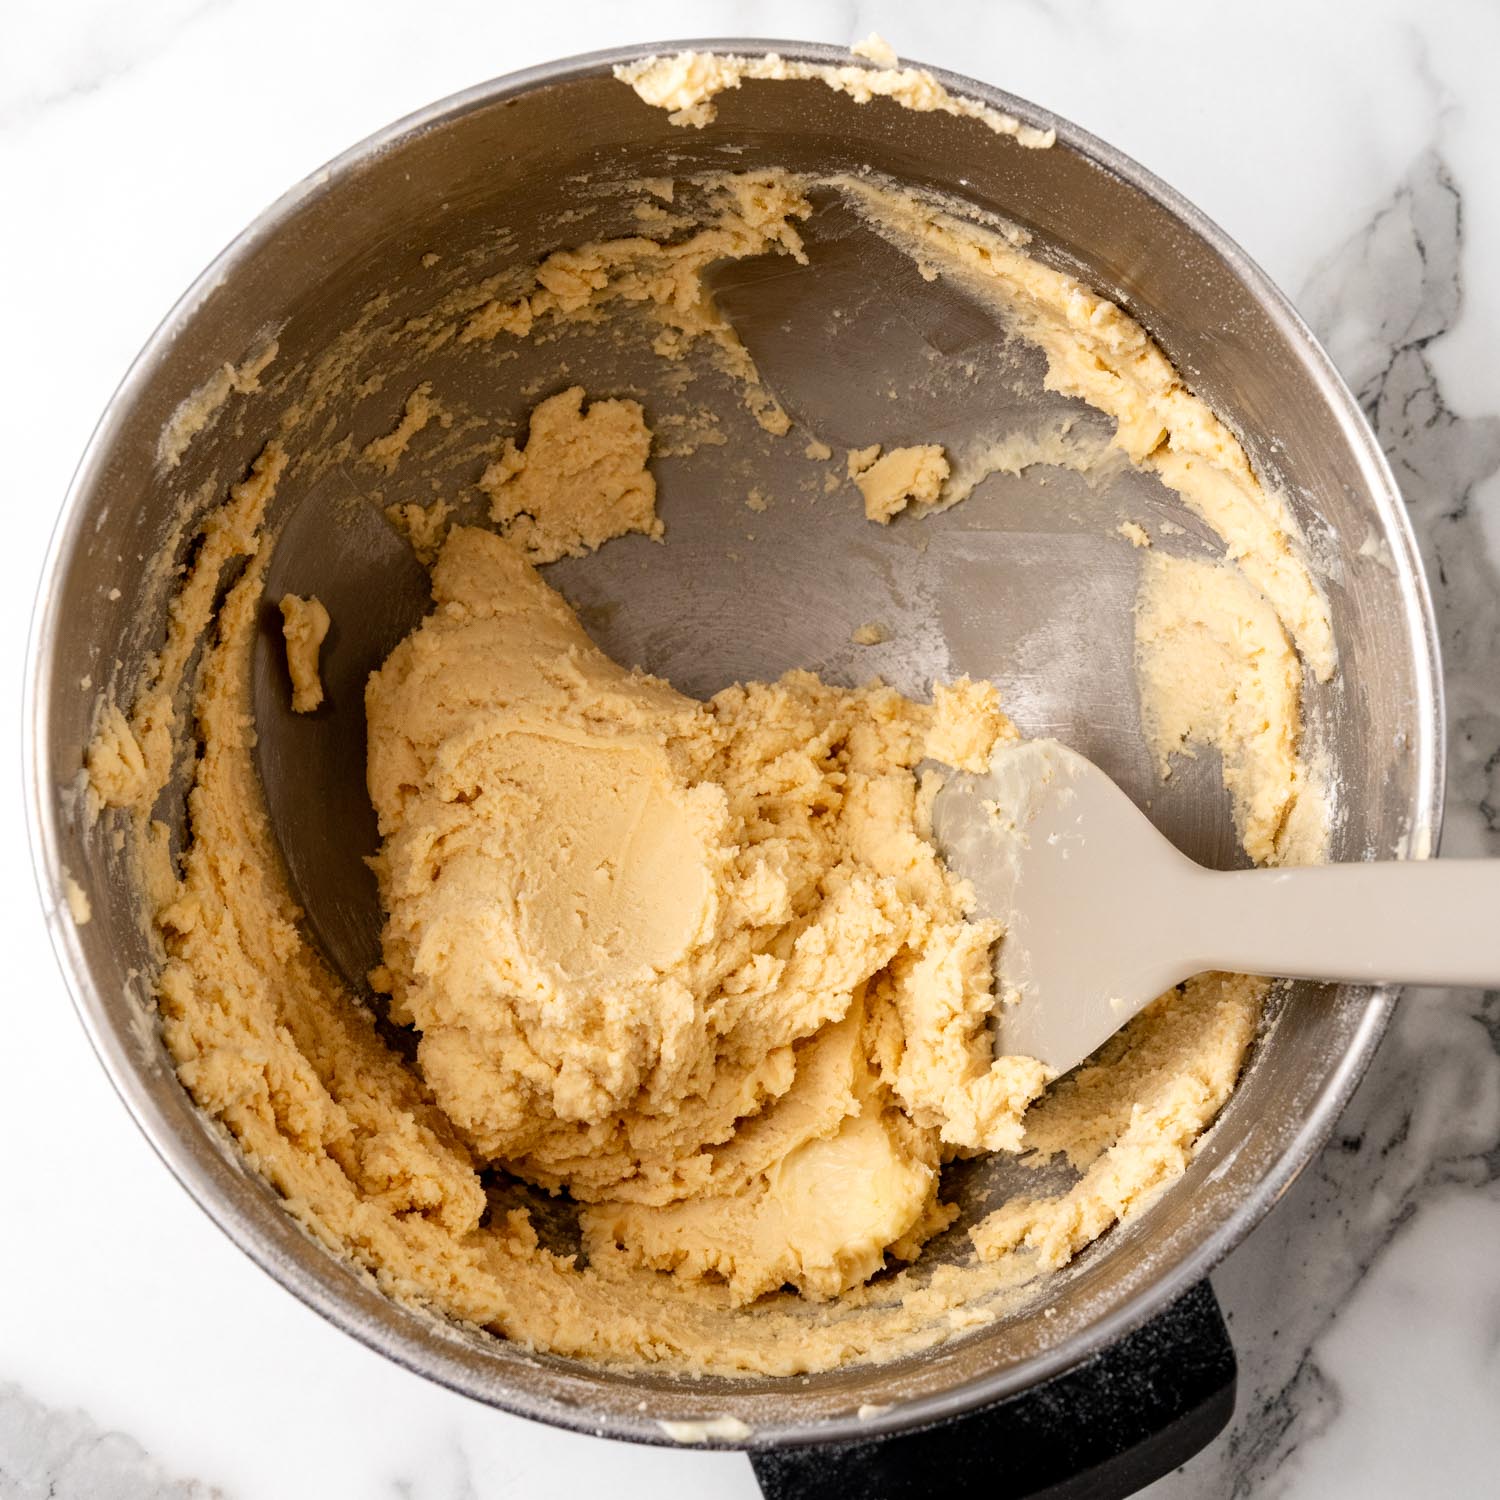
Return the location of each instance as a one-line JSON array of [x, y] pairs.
[[891, 481], [691, 967], [304, 626], [655, 948], [420, 409], [686, 84], [580, 479], [201, 409], [1216, 670]]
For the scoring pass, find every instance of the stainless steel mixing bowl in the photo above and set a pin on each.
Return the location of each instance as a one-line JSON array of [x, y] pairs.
[[1025, 583]]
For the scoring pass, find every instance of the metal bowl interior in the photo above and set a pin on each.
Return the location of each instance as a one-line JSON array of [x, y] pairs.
[[1024, 583]]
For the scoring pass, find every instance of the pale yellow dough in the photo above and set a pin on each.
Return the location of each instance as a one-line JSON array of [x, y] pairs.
[[1216, 670], [687, 83], [891, 481], [202, 408], [418, 410], [304, 626], [580, 479], [652, 945], [697, 963]]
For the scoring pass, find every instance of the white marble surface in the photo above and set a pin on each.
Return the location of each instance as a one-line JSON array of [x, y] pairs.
[[1349, 147]]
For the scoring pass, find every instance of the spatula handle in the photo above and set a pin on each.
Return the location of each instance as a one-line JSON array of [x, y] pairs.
[[1407, 921]]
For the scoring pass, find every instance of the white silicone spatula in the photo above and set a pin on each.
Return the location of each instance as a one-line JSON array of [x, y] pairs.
[[1102, 914]]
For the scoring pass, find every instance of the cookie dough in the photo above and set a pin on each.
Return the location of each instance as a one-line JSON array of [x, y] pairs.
[[694, 965], [1217, 671], [891, 481], [304, 626], [686, 84], [580, 479], [200, 410], [616, 914], [420, 409]]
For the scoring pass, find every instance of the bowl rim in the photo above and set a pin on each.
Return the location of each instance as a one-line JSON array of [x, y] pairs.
[[185, 1158]]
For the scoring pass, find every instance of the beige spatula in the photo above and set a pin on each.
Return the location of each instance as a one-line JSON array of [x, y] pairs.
[[1102, 914]]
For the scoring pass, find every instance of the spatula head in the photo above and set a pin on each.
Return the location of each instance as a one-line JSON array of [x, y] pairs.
[[338, 547], [1084, 886]]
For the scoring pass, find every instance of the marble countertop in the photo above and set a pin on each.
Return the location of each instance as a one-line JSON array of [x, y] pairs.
[[1349, 147]]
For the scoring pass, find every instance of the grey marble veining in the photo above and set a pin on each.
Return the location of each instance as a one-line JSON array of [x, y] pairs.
[[1380, 304], [48, 1454], [94, 51]]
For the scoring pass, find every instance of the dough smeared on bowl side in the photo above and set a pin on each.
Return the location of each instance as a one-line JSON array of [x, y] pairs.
[[304, 627]]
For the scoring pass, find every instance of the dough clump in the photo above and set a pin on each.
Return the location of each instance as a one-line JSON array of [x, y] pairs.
[[304, 626], [580, 479], [891, 481], [695, 962]]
